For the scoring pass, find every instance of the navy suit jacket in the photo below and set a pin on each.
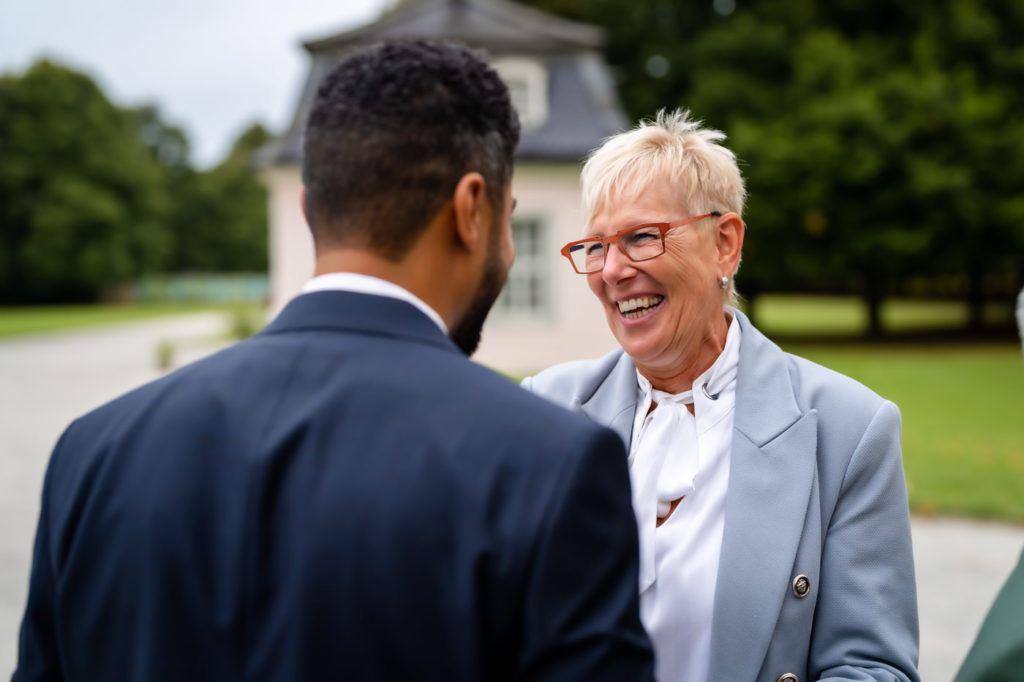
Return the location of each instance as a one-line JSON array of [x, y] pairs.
[[343, 496]]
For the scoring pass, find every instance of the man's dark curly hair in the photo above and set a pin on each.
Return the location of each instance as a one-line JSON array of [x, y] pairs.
[[391, 131]]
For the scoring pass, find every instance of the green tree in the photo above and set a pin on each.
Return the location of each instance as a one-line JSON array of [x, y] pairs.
[[883, 144], [168, 144], [221, 219], [891, 169], [647, 44], [977, 47], [80, 198]]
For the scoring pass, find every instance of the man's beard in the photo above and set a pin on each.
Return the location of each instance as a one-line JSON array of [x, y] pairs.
[[466, 334]]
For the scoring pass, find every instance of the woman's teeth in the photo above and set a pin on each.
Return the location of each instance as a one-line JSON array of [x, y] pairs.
[[636, 307]]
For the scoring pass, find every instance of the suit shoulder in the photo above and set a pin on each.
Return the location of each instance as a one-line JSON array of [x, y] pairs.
[[835, 396], [852, 419], [180, 389], [561, 383], [819, 387]]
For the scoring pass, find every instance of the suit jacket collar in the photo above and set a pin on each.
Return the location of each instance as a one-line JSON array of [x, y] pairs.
[[771, 478], [361, 313]]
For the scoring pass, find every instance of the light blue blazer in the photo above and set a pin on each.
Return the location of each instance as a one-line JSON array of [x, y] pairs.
[[816, 489]]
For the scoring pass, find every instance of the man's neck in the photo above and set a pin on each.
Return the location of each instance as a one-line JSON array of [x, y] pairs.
[[412, 274], [373, 286]]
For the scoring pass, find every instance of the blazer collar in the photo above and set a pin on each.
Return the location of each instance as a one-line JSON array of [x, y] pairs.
[[765, 402], [765, 397], [608, 394], [362, 313]]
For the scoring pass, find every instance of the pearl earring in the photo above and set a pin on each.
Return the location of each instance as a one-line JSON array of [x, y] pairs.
[[723, 282]]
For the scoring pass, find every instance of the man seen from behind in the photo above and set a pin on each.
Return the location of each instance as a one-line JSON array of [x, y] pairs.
[[344, 495]]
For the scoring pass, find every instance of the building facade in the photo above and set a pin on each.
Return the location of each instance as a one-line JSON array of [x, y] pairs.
[[567, 105]]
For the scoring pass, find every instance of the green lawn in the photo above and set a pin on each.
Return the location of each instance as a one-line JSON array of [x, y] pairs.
[[963, 420], [962, 405], [830, 316], [29, 320]]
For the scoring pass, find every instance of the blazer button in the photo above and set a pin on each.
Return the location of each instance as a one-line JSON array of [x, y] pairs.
[[788, 677], [801, 586]]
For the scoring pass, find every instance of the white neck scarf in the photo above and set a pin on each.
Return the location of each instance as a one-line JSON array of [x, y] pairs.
[[665, 458]]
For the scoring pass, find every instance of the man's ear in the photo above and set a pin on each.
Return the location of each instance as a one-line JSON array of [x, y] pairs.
[[729, 236], [302, 204], [471, 209]]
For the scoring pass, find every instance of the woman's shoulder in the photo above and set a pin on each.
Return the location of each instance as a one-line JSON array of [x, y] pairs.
[[814, 385], [822, 388], [851, 416], [577, 379]]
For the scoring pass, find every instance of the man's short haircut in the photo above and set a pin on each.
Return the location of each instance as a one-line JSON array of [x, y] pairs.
[[673, 149], [392, 130]]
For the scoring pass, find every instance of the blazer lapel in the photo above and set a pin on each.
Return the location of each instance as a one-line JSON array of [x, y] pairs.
[[610, 400], [771, 478]]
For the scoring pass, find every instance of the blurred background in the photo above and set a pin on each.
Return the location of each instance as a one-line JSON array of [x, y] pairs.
[[149, 211]]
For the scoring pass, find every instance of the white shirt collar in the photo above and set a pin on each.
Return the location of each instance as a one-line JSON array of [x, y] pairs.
[[366, 284], [720, 375]]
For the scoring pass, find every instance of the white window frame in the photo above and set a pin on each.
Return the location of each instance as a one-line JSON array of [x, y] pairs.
[[530, 270], [530, 78]]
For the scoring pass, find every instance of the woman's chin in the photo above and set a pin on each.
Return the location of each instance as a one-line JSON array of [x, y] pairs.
[[640, 344]]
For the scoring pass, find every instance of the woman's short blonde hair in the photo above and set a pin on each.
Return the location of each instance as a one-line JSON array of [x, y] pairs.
[[675, 149]]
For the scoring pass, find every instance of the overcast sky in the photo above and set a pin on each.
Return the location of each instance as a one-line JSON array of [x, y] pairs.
[[212, 66]]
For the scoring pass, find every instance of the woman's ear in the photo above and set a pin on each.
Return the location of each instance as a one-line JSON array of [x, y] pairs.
[[729, 235], [471, 210]]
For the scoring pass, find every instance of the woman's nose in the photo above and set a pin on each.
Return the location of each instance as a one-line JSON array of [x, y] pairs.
[[617, 265]]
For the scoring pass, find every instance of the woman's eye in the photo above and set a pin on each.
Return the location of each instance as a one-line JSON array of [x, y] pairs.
[[640, 237]]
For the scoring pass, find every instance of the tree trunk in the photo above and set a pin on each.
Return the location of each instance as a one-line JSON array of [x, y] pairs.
[[875, 329], [873, 300], [751, 297], [975, 301]]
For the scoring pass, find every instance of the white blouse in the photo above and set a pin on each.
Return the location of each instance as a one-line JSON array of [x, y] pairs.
[[675, 454]]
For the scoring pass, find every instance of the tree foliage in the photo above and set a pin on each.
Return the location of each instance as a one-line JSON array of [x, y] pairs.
[[80, 200], [93, 195], [221, 222], [883, 144]]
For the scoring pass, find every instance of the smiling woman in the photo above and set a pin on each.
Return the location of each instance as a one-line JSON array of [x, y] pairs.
[[685, 281], [768, 491]]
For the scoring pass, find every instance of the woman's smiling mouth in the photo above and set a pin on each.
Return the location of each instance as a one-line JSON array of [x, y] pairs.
[[633, 308]]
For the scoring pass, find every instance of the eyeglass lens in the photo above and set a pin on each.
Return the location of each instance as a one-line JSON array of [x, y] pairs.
[[640, 243]]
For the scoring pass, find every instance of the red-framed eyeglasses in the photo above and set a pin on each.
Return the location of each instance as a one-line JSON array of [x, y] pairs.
[[639, 243]]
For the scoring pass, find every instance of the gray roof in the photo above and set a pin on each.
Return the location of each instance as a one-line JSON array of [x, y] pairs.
[[583, 107], [497, 24]]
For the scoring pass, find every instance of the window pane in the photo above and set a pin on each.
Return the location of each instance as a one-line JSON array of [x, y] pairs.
[[526, 290]]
